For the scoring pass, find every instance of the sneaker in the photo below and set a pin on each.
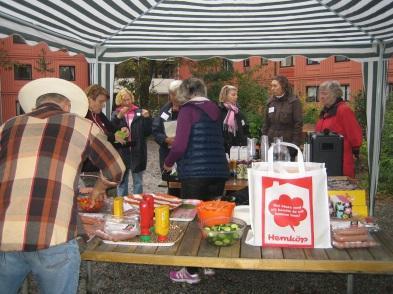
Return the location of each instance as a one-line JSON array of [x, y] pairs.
[[183, 275], [209, 271]]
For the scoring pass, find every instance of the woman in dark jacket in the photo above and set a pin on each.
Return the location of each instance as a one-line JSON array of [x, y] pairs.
[[97, 97], [233, 121], [138, 122], [284, 114]]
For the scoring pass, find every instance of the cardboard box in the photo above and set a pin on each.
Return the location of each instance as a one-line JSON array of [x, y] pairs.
[[360, 210]]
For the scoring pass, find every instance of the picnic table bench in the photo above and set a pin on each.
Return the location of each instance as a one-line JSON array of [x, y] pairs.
[[192, 250]]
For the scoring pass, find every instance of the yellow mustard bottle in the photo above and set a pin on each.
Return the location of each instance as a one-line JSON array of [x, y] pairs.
[[161, 226]]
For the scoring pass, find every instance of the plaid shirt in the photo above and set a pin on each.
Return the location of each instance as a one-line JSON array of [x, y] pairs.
[[41, 154]]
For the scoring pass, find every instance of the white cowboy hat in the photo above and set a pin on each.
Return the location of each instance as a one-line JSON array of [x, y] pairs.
[[31, 91]]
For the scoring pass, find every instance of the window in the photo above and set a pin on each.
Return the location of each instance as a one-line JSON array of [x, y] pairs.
[[340, 58], [346, 92], [312, 94], [287, 62], [264, 61], [246, 62], [67, 72], [16, 39], [311, 62], [227, 65], [22, 72]]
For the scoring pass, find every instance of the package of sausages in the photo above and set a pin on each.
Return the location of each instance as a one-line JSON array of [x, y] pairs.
[[352, 237]]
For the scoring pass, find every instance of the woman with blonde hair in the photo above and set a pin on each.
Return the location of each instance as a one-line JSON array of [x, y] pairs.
[[234, 123], [138, 122]]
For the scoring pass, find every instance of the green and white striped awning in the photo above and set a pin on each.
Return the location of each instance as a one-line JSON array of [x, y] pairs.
[[115, 30], [111, 31]]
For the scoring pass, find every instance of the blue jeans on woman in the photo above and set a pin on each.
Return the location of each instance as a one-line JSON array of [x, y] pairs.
[[137, 180], [56, 269]]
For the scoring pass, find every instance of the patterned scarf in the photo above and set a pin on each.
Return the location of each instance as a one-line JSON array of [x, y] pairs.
[[229, 121]]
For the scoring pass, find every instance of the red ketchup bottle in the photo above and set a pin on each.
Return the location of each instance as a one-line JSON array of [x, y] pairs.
[[144, 221], [150, 202]]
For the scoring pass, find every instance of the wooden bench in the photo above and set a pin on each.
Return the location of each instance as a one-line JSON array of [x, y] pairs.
[[191, 250]]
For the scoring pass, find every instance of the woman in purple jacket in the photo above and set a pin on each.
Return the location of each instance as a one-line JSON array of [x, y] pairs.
[[198, 151]]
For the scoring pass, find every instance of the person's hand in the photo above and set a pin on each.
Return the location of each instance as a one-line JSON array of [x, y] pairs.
[[120, 139], [167, 168], [122, 111], [97, 194], [169, 140], [145, 113]]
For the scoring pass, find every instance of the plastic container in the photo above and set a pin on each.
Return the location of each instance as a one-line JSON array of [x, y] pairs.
[[223, 234], [85, 204], [215, 212]]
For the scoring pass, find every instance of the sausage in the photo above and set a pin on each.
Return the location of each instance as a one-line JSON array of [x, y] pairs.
[[353, 230], [343, 245], [350, 238]]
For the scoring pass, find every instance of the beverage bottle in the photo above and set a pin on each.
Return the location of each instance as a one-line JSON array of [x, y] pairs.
[[280, 152], [144, 221], [264, 147], [161, 226]]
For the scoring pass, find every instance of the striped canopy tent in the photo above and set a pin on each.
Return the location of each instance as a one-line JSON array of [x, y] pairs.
[[111, 31]]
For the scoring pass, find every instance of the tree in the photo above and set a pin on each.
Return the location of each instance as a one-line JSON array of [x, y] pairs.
[[5, 61], [43, 65], [144, 70]]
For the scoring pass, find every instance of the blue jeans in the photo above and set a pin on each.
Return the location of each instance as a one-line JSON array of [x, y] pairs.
[[137, 180], [56, 269]]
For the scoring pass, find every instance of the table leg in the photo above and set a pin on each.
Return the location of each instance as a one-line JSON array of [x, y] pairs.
[[350, 284], [89, 282]]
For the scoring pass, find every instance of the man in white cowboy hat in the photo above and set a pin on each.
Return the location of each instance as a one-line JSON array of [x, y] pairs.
[[41, 154]]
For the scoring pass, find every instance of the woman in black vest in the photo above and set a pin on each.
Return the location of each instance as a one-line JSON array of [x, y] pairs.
[[198, 151]]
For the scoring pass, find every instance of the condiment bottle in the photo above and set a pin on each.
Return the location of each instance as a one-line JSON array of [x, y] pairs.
[[150, 202], [118, 206], [162, 222], [144, 221]]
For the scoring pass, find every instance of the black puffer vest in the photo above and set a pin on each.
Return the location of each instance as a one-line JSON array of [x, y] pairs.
[[205, 155]]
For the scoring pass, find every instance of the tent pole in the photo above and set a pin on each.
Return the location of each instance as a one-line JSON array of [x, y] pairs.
[[379, 113]]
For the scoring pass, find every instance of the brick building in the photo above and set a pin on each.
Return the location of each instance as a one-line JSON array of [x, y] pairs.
[[33, 62]]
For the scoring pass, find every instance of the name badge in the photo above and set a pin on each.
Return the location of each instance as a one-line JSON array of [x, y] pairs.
[[138, 114], [271, 109], [164, 116], [243, 123]]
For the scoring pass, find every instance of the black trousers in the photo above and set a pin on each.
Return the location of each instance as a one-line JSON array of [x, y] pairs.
[[202, 189]]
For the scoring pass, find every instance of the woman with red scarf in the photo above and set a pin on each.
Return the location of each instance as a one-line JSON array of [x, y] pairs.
[[139, 123], [338, 117], [233, 121]]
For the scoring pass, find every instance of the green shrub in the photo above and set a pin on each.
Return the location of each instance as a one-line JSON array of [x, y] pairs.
[[386, 157]]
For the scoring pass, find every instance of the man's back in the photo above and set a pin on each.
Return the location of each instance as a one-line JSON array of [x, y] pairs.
[[40, 160]]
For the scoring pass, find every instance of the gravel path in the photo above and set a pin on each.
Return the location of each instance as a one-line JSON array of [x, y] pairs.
[[125, 278]]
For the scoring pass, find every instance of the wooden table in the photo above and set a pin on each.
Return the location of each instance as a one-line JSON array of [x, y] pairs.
[[191, 250], [230, 185]]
